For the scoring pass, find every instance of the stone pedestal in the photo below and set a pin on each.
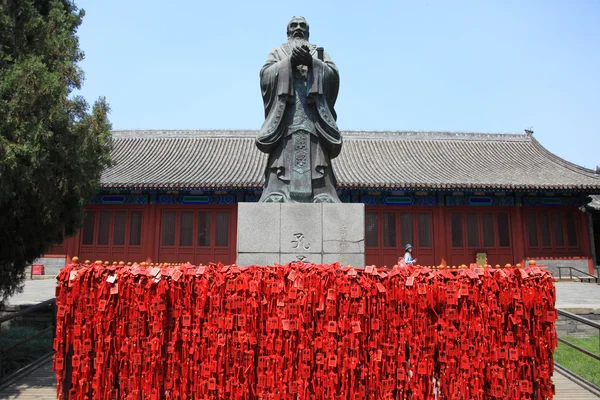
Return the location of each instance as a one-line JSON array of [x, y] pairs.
[[275, 233]]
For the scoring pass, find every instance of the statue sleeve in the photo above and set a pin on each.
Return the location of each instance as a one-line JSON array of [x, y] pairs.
[[326, 81], [331, 84], [275, 80], [324, 89]]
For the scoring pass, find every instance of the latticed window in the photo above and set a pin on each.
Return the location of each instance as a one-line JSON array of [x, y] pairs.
[[544, 221], [488, 229], [88, 227], [186, 228], [222, 229], [135, 228], [119, 228], [503, 230], [425, 230], [552, 232], [406, 227], [389, 229], [457, 229], [532, 229], [571, 229], [372, 229], [104, 228], [480, 229], [190, 233], [472, 230], [204, 228], [168, 228], [114, 228], [559, 237]]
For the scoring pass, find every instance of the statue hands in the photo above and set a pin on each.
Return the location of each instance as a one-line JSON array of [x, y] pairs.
[[301, 56]]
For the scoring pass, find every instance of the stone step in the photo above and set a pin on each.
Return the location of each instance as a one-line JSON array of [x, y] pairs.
[[41, 277], [584, 278]]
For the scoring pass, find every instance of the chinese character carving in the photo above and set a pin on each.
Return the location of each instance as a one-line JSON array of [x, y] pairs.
[[298, 242]]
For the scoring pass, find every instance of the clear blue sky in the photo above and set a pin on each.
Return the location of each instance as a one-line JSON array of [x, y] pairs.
[[480, 66]]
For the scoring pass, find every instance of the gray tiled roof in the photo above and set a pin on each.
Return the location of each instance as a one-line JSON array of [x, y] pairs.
[[595, 203], [445, 160]]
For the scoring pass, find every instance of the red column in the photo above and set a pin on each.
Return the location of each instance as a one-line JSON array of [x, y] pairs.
[[584, 234], [439, 234], [518, 236], [149, 231], [77, 243], [68, 246], [233, 233], [71, 246], [156, 232], [590, 222]]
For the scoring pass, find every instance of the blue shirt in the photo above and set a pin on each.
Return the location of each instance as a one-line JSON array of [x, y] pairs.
[[408, 258]]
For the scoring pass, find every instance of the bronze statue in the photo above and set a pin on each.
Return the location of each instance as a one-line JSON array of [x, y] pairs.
[[299, 85]]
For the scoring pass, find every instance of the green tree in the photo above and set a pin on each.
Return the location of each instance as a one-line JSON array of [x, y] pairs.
[[52, 148]]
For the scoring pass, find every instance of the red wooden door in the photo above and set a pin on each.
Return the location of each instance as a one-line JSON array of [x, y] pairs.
[[388, 230], [471, 231], [112, 233], [199, 234], [552, 232]]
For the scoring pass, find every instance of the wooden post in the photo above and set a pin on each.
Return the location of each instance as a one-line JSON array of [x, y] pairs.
[[590, 221], [150, 234], [586, 239], [518, 236], [439, 235]]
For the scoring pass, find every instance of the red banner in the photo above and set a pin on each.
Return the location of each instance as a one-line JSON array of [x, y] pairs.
[[303, 331]]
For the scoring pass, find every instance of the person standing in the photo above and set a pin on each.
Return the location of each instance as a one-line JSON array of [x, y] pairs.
[[408, 255]]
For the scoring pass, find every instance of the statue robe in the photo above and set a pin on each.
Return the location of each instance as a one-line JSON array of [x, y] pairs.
[[295, 107]]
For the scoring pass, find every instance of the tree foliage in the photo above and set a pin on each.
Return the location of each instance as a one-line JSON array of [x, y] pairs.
[[52, 148]]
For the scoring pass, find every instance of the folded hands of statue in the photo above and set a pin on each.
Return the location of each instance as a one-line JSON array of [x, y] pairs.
[[301, 56]]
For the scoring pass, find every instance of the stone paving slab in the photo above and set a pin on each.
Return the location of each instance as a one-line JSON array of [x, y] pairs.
[[578, 297], [34, 292], [566, 389], [41, 384]]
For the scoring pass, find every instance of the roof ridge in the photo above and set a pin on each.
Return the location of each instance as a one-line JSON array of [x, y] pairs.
[[440, 135], [372, 134], [565, 163], [181, 133]]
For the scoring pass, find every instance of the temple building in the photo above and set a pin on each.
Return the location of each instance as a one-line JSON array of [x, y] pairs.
[[171, 196]]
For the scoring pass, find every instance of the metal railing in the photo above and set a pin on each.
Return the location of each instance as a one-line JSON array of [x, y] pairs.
[[584, 321], [586, 274], [596, 356], [40, 306]]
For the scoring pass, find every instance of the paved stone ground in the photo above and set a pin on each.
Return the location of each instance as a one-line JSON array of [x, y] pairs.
[[41, 384], [575, 296], [52, 266], [35, 291]]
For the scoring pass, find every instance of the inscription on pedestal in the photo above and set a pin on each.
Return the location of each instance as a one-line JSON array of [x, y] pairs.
[[304, 257], [344, 229], [299, 243], [312, 233]]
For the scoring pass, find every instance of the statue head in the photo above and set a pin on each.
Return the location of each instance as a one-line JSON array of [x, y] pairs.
[[298, 29]]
